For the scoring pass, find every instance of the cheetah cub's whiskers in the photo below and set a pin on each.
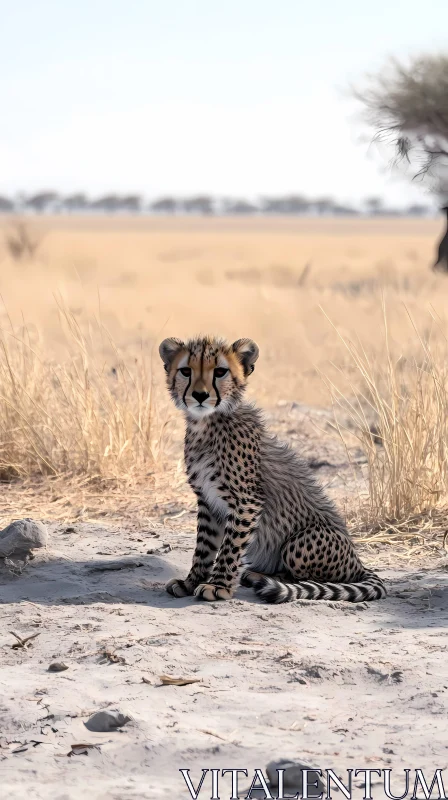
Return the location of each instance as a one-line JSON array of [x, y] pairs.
[[262, 520]]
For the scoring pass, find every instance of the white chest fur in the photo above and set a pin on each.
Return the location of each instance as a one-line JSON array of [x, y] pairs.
[[207, 481]]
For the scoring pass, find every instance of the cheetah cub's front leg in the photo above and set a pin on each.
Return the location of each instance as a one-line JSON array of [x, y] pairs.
[[224, 576], [209, 536]]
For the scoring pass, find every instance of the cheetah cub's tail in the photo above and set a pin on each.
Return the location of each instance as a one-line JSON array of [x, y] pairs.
[[275, 590]]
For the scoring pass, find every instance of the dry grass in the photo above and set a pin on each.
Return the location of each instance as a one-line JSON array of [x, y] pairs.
[[398, 408], [396, 405], [77, 417], [81, 397], [20, 241]]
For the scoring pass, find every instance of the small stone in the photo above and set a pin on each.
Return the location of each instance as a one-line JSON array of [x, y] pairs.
[[105, 721], [292, 776], [57, 666], [22, 536]]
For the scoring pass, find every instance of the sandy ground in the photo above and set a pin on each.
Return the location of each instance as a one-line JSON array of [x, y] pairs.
[[330, 683]]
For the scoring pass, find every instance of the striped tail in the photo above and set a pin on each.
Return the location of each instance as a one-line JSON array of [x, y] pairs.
[[275, 590]]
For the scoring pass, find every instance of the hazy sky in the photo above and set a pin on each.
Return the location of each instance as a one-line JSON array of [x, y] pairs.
[[237, 97]]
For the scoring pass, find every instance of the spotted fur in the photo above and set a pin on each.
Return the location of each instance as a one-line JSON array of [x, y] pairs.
[[262, 517]]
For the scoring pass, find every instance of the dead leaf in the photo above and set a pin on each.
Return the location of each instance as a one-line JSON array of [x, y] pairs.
[[82, 749], [111, 657], [22, 642], [212, 733], [164, 548], [169, 680]]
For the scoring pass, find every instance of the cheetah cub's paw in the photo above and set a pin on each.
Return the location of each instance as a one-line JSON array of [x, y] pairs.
[[178, 588], [207, 591]]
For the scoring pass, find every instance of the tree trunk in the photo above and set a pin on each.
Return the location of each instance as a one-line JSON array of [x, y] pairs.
[[442, 253]]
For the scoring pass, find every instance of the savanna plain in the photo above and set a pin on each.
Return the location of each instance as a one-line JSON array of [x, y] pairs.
[[353, 372]]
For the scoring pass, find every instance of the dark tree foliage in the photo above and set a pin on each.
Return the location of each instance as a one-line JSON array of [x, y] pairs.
[[43, 201], [344, 211], [323, 205], [406, 105], [291, 204], [239, 207], [132, 203], [75, 202], [417, 210], [374, 205], [6, 205], [108, 204], [203, 204], [113, 203], [164, 205]]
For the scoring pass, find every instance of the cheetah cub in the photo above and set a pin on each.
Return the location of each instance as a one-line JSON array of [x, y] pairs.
[[262, 518]]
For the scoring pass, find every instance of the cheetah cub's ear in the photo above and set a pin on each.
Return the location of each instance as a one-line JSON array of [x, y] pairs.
[[247, 352], [168, 349]]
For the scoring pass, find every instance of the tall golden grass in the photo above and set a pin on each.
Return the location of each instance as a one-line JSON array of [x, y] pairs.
[[81, 385], [77, 416], [397, 407]]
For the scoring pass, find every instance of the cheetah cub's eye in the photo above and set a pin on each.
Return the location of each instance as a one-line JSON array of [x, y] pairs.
[[185, 371], [219, 372]]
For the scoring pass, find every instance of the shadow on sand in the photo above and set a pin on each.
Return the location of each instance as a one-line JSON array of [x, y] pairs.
[[415, 600]]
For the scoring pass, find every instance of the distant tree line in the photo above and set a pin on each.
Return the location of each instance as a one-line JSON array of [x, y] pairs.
[[51, 202]]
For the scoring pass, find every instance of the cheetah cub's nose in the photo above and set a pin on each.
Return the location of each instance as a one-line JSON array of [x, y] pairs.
[[200, 396]]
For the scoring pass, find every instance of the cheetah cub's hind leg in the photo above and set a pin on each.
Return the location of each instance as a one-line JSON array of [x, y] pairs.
[[321, 565]]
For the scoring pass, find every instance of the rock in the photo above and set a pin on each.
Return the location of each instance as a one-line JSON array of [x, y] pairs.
[[105, 721], [22, 536], [292, 776], [57, 666]]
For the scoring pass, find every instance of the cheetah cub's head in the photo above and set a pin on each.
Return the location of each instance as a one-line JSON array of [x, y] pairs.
[[207, 375]]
